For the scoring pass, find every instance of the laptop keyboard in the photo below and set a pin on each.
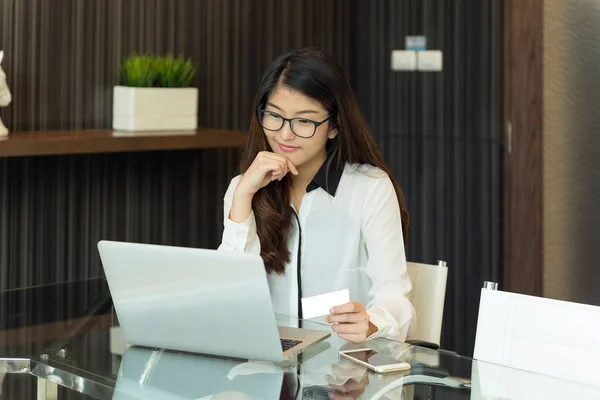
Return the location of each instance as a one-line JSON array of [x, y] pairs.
[[287, 344]]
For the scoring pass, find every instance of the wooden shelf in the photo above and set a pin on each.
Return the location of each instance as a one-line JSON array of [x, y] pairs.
[[58, 142]]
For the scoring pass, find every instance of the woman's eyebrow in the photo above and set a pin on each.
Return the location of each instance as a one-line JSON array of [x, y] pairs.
[[274, 106], [299, 112], [307, 112]]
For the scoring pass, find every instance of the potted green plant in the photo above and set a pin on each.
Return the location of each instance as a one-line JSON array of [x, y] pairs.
[[155, 95]]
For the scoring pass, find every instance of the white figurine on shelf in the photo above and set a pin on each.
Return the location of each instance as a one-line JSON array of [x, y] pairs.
[[5, 96]]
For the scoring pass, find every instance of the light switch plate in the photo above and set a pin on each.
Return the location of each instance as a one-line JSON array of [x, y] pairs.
[[404, 60], [429, 60]]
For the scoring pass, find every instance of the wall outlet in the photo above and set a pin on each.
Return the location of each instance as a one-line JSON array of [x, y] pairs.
[[404, 60], [429, 60]]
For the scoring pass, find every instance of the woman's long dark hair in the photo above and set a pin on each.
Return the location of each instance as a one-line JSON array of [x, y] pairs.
[[320, 77]]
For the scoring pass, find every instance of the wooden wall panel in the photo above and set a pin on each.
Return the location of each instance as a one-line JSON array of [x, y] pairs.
[[523, 82]]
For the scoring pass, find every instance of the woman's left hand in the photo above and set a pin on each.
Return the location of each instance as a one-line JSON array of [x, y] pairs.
[[351, 322]]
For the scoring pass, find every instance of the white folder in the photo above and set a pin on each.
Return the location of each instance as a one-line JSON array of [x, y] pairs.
[[493, 382], [545, 336]]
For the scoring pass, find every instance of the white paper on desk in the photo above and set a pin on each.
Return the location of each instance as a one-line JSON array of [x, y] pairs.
[[317, 306], [545, 336]]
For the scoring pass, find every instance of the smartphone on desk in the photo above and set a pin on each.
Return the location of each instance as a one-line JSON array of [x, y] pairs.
[[374, 361]]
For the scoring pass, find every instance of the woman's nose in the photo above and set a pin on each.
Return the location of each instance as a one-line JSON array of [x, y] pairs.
[[286, 131]]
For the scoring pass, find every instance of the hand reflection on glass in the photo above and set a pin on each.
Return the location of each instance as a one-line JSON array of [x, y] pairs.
[[349, 380], [349, 390]]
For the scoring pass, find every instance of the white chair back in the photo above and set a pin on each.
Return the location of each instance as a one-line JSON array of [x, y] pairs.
[[427, 297]]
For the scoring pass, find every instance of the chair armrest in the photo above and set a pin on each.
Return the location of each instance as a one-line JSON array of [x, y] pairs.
[[422, 343], [449, 352]]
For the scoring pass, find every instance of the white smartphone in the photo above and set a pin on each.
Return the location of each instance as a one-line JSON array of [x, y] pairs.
[[374, 361]]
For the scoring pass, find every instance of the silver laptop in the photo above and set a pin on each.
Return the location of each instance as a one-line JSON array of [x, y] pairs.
[[198, 300]]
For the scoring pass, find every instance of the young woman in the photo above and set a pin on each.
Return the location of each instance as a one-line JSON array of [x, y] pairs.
[[317, 202]]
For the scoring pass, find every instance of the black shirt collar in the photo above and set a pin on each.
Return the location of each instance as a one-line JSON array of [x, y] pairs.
[[327, 180]]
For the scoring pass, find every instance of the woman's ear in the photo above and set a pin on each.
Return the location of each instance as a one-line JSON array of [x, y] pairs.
[[333, 130]]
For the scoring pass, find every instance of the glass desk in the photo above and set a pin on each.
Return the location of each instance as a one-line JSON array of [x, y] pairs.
[[63, 341]]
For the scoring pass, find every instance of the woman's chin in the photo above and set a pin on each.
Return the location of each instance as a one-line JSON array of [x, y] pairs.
[[295, 159], [293, 156]]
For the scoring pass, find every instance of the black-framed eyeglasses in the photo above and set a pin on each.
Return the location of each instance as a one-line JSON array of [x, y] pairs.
[[301, 127]]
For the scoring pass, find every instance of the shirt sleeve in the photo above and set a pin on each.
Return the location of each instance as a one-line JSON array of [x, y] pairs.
[[238, 237], [389, 308]]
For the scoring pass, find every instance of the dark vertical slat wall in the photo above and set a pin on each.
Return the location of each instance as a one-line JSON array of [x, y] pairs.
[[62, 61], [438, 131]]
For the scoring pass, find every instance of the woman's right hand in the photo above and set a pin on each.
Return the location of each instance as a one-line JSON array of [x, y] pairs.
[[265, 168]]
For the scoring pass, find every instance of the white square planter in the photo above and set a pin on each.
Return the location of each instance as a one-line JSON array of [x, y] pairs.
[[155, 109]]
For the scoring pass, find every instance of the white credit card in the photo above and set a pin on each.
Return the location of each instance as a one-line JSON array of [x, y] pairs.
[[320, 305]]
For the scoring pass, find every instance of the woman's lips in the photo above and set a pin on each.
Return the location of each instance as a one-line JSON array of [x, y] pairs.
[[287, 149]]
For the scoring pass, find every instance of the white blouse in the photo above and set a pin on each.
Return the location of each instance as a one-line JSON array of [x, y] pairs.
[[351, 239]]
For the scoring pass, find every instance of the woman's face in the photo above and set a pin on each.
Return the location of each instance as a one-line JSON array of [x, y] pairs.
[[288, 103]]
